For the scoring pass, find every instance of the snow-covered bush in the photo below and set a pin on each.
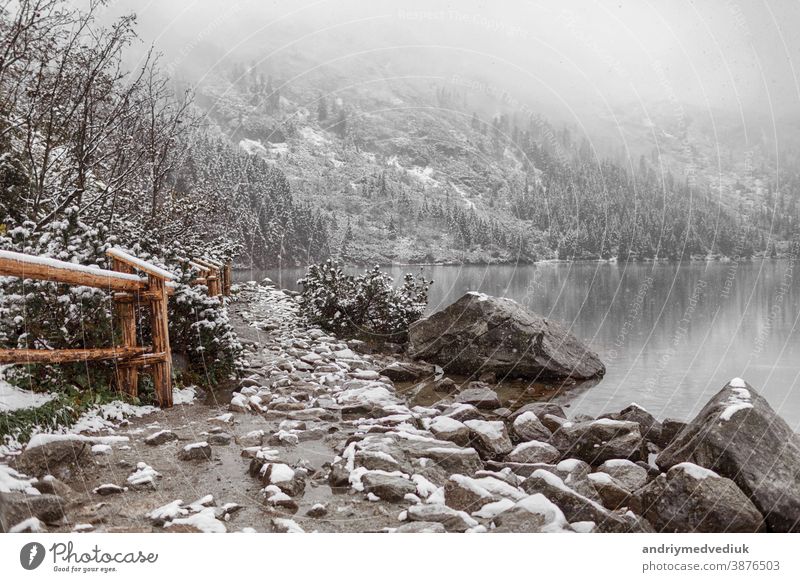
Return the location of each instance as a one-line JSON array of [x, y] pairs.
[[42, 314], [368, 306], [201, 330]]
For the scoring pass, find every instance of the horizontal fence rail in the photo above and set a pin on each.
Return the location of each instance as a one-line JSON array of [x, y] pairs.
[[17, 356], [134, 282], [45, 269]]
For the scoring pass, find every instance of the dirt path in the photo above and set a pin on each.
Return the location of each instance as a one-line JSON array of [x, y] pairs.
[[225, 476]]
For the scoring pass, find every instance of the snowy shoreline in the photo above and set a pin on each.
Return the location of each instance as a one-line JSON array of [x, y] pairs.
[[318, 437]]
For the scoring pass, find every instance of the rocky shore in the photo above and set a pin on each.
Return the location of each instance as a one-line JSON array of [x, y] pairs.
[[318, 437]]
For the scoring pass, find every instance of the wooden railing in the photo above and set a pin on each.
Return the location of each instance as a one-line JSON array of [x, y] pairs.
[[214, 275], [153, 287]]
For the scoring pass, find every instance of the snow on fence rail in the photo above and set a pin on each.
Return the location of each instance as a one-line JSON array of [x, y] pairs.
[[216, 276], [47, 269], [154, 289]]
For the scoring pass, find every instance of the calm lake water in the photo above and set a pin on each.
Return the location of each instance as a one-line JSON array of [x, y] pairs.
[[671, 335]]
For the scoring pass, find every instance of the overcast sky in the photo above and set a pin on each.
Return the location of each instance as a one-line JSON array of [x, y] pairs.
[[727, 54]]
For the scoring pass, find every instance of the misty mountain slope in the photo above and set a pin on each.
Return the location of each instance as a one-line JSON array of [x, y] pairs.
[[405, 171]]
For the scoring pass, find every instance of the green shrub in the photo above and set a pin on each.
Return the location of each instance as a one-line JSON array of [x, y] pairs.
[[366, 306]]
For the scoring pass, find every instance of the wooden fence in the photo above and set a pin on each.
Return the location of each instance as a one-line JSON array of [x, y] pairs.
[[133, 282], [216, 276]]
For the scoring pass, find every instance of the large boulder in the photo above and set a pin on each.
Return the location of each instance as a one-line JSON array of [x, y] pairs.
[[56, 456], [16, 507], [739, 436], [479, 334], [689, 498]]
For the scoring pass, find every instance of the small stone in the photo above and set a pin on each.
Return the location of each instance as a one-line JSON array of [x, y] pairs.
[[540, 409], [387, 487], [283, 525], [462, 412], [195, 452], [370, 375], [421, 527], [55, 457], [630, 475], [528, 427], [576, 507], [108, 489], [318, 510], [600, 440], [220, 439], [479, 395], [252, 439], [446, 385], [290, 481], [449, 429], [407, 371], [160, 437], [490, 437], [49, 485], [533, 452], [101, 449], [239, 403], [612, 494], [451, 519], [278, 498]]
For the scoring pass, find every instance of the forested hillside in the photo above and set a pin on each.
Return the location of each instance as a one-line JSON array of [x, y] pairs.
[[401, 172], [274, 172]]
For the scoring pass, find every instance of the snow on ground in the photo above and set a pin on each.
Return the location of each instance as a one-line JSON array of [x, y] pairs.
[[184, 395], [11, 480], [205, 521], [424, 175], [32, 525], [105, 417], [312, 136], [464, 196], [41, 439], [252, 147], [144, 474], [12, 398]]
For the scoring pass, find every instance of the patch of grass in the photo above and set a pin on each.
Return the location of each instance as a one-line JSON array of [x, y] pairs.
[[61, 411]]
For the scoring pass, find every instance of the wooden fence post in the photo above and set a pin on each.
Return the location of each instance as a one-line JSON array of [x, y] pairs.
[[127, 376], [213, 284], [162, 371], [227, 278]]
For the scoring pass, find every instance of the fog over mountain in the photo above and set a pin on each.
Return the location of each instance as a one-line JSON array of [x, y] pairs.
[[503, 109], [573, 61]]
